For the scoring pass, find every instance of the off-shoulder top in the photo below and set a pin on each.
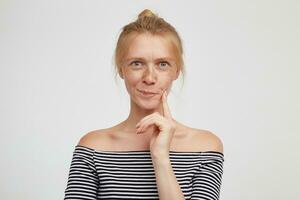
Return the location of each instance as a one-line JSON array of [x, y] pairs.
[[96, 174]]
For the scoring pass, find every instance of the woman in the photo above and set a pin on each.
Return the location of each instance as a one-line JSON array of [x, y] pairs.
[[150, 155]]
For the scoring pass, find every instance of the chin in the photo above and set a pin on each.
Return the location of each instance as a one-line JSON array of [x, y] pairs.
[[149, 107], [151, 104]]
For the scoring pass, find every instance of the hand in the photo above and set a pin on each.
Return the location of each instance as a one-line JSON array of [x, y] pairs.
[[164, 127]]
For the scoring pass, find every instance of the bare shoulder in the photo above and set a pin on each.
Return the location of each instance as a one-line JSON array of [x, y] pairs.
[[207, 140], [94, 139]]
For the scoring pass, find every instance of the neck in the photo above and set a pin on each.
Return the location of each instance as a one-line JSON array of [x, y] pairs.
[[136, 114]]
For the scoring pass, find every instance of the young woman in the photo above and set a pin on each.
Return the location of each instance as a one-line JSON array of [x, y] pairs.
[[150, 155]]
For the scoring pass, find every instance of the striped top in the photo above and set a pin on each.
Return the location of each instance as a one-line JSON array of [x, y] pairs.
[[118, 175]]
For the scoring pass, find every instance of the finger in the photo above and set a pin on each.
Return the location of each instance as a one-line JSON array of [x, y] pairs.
[[144, 125], [154, 121], [142, 120], [166, 109]]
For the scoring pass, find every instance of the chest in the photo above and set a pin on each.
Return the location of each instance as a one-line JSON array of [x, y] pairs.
[[181, 141], [125, 175]]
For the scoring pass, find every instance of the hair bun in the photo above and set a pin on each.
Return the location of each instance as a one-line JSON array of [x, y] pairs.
[[146, 13]]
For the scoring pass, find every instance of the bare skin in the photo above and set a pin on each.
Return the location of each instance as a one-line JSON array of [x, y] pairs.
[[149, 65], [148, 71], [117, 139]]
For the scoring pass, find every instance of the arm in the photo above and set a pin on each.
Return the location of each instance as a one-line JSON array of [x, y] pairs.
[[167, 185], [207, 179], [82, 180]]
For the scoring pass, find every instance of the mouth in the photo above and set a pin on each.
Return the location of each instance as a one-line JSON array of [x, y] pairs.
[[147, 93]]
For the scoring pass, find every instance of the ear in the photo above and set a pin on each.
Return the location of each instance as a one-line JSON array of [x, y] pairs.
[[177, 74], [120, 70]]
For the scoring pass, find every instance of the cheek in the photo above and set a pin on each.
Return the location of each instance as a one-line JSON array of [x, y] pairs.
[[166, 81], [131, 81]]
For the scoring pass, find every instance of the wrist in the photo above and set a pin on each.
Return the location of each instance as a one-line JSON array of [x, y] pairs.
[[160, 156]]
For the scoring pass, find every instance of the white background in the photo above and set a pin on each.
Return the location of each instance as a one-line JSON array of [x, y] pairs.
[[242, 83]]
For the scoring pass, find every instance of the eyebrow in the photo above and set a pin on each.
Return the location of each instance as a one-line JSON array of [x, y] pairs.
[[158, 59]]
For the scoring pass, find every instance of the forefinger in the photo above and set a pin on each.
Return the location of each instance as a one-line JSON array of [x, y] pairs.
[[166, 108]]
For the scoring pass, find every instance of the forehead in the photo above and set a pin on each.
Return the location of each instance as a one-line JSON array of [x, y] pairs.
[[149, 46]]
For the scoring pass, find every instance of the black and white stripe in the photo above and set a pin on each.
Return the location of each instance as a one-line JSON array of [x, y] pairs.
[[130, 174]]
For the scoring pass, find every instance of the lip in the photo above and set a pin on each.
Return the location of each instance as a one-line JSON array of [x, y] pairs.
[[147, 94]]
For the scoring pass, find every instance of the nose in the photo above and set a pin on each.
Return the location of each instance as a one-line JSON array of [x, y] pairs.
[[149, 76]]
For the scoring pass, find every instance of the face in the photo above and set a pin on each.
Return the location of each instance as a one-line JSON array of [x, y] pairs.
[[149, 66]]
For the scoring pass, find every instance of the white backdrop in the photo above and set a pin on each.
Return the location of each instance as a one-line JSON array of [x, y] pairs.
[[57, 84]]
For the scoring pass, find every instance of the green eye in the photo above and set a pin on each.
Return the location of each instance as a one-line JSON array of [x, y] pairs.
[[134, 63], [166, 64]]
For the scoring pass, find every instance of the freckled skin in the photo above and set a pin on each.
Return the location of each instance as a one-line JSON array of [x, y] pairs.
[[148, 72]]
